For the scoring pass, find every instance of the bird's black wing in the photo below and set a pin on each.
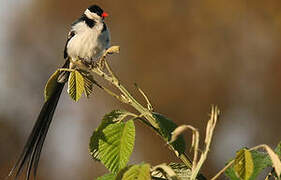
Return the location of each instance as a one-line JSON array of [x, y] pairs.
[[70, 35]]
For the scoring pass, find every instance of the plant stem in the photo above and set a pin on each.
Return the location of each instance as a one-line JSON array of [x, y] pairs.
[[129, 99], [222, 171], [209, 134]]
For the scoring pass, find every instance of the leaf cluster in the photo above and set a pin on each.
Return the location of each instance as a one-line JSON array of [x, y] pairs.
[[112, 142]]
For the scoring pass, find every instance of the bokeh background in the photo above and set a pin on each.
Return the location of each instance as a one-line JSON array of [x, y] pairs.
[[185, 54]]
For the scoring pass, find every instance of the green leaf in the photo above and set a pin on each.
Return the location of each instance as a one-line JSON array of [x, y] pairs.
[[164, 171], [231, 173], [108, 176], [120, 174], [51, 85], [243, 164], [166, 127], [138, 172], [110, 118], [88, 85], [75, 85], [116, 146], [260, 161], [181, 170]]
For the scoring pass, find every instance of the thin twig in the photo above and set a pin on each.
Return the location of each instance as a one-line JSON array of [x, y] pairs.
[[209, 134], [222, 171], [66, 69], [146, 113], [109, 69], [149, 106], [115, 95]]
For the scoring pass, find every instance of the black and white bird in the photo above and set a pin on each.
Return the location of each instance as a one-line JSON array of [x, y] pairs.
[[87, 40]]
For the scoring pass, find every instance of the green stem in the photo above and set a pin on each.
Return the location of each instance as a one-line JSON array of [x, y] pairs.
[[146, 113]]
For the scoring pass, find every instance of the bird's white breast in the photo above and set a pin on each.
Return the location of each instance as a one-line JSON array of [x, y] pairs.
[[85, 43]]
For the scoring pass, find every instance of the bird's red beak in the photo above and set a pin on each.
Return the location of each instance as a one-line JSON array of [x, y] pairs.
[[104, 14]]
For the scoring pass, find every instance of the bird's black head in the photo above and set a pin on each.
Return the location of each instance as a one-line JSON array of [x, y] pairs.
[[96, 9], [94, 12]]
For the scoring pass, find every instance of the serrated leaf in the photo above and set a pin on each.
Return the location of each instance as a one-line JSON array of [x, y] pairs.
[[121, 173], [243, 164], [260, 160], [138, 172], [51, 85], [88, 85], [75, 85], [108, 176], [116, 146], [110, 118], [181, 170], [231, 173], [166, 171], [166, 127]]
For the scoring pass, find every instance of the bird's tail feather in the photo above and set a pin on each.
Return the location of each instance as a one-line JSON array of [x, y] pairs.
[[32, 149]]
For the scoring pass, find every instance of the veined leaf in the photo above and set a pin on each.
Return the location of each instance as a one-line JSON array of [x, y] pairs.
[[181, 170], [243, 164], [261, 161], [138, 172], [51, 85], [88, 85], [166, 171], [231, 173], [75, 85], [109, 176], [166, 127], [116, 145], [110, 118]]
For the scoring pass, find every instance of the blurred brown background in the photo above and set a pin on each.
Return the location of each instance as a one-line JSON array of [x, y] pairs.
[[185, 54]]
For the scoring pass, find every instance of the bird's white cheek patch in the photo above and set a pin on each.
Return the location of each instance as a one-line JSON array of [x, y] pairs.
[[91, 15]]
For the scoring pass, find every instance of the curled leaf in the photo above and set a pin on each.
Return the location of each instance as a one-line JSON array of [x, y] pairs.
[[113, 49], [179, 130], [51, 85], [166, 127]]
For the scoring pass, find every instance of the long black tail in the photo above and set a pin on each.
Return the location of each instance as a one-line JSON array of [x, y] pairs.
[[32, 149]]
